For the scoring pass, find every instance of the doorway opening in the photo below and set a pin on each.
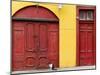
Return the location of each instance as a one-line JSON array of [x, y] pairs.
[[35, 34]]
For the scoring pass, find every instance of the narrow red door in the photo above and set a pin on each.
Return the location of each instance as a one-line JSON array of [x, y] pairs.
[[18, 45], [86, 36], [53, 44], [86, 44], [43, 46], [30, 52]]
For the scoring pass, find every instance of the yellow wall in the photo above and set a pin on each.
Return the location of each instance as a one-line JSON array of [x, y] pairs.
[[68, 36], [67, 25]]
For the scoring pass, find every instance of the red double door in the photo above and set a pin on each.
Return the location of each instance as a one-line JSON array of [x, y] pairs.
[[35, 45]]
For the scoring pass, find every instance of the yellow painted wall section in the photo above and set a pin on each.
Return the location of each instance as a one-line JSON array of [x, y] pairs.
[[67, 26], [68, 36]]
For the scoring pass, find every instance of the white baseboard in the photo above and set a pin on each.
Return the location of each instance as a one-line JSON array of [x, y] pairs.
[[57, 70]]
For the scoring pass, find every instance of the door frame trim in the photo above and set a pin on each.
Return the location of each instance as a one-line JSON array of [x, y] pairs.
[[77, 30], [34, 19]]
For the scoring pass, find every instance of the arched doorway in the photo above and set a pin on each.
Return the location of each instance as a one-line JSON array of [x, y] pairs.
[[35, 37]]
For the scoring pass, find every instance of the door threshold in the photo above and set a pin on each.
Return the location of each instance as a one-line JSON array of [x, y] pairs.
[[56, 70]]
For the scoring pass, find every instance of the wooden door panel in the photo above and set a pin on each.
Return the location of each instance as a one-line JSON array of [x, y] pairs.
[[43, 62], [86, 62], [90, 40], [86, 44], [18, 37], [30, 42], [43, 46], [18, 46], [89, 54], [83, 62], [82, 55], [31, 49], [53, 27], [53, 44], [43, 37], [83, 26], [30, 63], [53, 41], [82, 41], [36, 35]]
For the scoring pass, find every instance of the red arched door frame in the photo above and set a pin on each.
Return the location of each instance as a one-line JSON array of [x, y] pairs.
[[35, 34]]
